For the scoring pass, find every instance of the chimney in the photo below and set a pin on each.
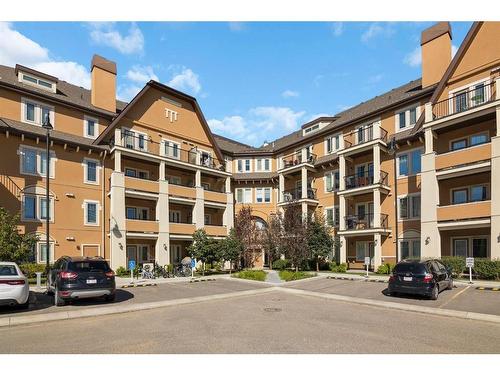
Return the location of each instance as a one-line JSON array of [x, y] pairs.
[[435, 45], [103, 91]]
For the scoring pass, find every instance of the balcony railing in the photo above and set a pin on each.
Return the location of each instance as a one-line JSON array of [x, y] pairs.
[[296, 159], [364, 179], [464, 100], [296, 194], [181, 220], [362, 135], [180, 183], [365, 221], [143, 143]]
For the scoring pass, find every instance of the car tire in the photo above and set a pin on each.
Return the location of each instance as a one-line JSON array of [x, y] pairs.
[[50, 292], [58, 301], [110, 297], [24, 306], [450, 285], [435, 293]]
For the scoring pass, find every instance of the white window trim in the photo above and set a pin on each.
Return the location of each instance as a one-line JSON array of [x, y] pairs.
[[469, 243], [20, 78], [263, 165], [53, 159], [201, 151], [468, 86], [96, 127], [468, 139], [326, 216], [264, 194], [83, 245], [334, 149], [136, 170], [243, 195], [410, 162], [38, 213], [85, 170], [137, 209], [243, 163], [98, 209], [468, 188], [136, 134], [410, 207], [171, 142], [39, 251], [332, 172], [178, 212], [410, 241], [38, 112], [406, 110]]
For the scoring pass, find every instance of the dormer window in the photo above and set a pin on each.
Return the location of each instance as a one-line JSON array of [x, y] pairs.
[[311, 129], [38, 79]]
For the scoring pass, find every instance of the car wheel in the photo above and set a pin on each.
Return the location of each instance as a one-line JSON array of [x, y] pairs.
[[58, 301], [450, 285], [435, 293], [25, 305], [50, 292], [110, 297]]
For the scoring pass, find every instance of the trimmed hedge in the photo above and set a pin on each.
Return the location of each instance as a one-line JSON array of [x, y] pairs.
[[456, 264], [257, 275], [286, 275], [338, 268], [385, 269], [281, 264], [30, 269], [487, 269]]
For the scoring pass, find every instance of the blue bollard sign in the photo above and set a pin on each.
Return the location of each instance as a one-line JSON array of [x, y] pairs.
[[193, 263], [131, 264]]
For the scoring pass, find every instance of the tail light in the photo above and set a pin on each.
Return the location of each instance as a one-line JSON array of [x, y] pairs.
[[428, 277], [392, 278], [13, 282], [68, 275], [110, 274]]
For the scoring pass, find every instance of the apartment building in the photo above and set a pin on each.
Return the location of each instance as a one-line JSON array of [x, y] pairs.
[[409, 173]]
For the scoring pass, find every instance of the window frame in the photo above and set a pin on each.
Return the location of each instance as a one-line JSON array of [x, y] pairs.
[[263, 192], [37, 200], [86, 169], [86, 202], [409, 155], [335, 181], [407, 115], [169, 144], [243, 195], [333, 140], [410, 206], [38, 117], [263, 164], [86, 119]]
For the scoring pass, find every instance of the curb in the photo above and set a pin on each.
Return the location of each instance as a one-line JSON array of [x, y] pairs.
[[137, 285], [119, 309], [488, 288], [201, 280], [400, 306]]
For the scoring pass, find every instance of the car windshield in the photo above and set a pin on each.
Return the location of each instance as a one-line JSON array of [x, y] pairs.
[[416, 268], [89, 266], [8, 270]]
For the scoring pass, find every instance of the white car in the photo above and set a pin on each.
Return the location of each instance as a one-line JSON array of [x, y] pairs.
[[14, 287]]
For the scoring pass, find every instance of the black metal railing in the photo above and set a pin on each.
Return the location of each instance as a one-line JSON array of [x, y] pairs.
[[296, 159], [364, 221], [364, 179], [362, 135], [143, 143], [296, 194], [464, 100]]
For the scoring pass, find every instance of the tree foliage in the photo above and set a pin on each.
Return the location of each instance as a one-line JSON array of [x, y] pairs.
[[14, 246], [319, 240], [294, 235], [231, 249], [272, 238], [248, 234]]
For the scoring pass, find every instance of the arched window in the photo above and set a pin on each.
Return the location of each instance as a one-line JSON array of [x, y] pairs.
[[34, 204]]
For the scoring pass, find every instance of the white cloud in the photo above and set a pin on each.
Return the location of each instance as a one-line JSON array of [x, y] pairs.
[[290, 94], [376, 29], [413, 58], [15, 48], [375, 78], [337, 28], [186, 80], [107, 35], [236, 26], [141, 74], [271, 118], [230, 125]]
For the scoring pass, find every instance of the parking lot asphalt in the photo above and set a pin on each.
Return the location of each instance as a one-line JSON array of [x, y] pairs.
[[41, 303], [462, 298], [276, 322]]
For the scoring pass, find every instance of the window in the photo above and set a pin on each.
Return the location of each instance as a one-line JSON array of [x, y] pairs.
[[332, 181], [174, 216], [42, 252], [175, 180], [311, 129], [460, 247], [129, 172], [413, 116], [475, 193], [410, 163], [35, 81], [244, 195], [244, 165], [263, 195], [459, 196], [36, 113], [407, 118], [137, 213], [90, 168], [34, 205], [90, 127], [476, 247], [172, 149], [34, 162], [208, 219], [131, 213], [402, 120], [43, 208], [336, 211], [29, 207], [410, 249], [479, 247], [330, 216], [478, 193], [478, 139], [332, 143], [409, 207], [473, 140], [90, 212], [134, 140], [459, 144], [262, 165], [29, 162]]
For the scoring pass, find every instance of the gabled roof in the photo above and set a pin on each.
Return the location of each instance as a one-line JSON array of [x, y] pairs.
[[232, 147], [67, 93], [173, 92]]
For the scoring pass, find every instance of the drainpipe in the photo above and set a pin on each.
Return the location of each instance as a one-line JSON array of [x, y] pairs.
[[103, 214]]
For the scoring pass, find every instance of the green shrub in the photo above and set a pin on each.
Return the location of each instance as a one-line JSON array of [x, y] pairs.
[[122, 272], [257, 275], [456, 264], [385, 269], [281, 264], [170, 268], [338, 268], [30, 269], [487, 269], [287, 275]]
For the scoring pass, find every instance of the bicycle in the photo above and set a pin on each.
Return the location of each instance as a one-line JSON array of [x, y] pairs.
[[182, 271], [146, 272], [160, 271]]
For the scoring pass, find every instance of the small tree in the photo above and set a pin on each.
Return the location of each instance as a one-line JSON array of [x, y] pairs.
[[319, 240], [231, 248], [248, 234], [14, 246], [200, 248], [272, 238], [294, 239]]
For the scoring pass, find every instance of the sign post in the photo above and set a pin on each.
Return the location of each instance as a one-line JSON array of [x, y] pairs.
[[367, 264], [193, 264], [469, 262], [131, 266]]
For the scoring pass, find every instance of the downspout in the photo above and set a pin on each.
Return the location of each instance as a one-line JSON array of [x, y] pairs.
[[103, 211]]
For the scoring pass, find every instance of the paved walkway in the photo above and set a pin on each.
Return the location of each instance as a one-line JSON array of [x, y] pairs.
[[273, 277]]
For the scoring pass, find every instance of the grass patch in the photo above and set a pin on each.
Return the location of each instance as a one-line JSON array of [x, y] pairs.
[[257, 275], [286, 275]]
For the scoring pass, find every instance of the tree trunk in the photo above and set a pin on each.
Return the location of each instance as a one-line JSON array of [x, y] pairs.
[[230, 266], [203, 270], [317, 264]]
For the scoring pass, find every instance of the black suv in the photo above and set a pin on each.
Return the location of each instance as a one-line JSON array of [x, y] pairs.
[[81, 277], [426, 278]]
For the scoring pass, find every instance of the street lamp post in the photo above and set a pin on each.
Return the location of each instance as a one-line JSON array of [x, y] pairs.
[[48, 127], [392, 151]]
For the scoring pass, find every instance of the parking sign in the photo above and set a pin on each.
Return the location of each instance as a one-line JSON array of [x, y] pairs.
[[367, 261], [193, 263], [469, 262], [131, 264]]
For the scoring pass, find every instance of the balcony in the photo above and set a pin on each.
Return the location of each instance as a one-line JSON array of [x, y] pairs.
[[141, 226], [293, 195], [464, 211], [184, 227], [464, 101], [464, 157], [365, 221], [297, 159], [141, 185], [216, 230], [181, 191], [364, 135], [215, 196], [362, 180], [144, 144]]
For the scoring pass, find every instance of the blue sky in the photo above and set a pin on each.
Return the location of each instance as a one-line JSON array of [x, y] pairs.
[[254, 81]]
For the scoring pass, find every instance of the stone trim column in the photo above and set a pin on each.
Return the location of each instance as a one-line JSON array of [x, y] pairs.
[[377, 251], [118, 240], [304, 183], [162, 248]]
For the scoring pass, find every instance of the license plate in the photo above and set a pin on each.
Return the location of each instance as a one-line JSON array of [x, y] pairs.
[[406, 278], [91, 281]]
